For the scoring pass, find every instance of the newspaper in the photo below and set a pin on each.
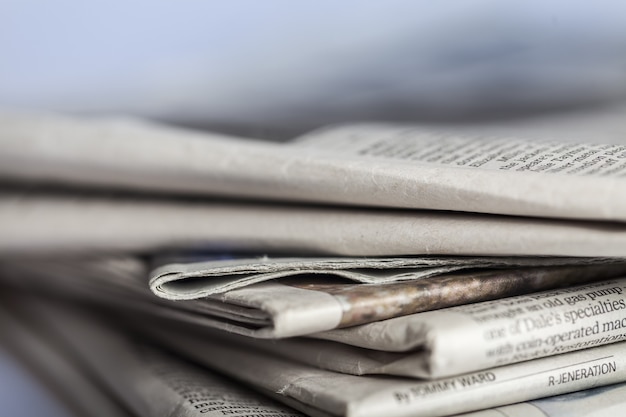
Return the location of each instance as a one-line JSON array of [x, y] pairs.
[[491, 333], [321, 392], [368, 164], [40, 223], [189, 280], [606, 401], [304, 304], [146, 380], [202, 392]]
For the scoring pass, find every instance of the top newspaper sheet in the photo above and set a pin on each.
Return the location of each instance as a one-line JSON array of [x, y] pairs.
[[372, 165]]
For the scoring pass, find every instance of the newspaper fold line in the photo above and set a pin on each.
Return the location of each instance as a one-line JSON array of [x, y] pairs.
[[30, 224], [295, 307], [189, 280], [372, 165]]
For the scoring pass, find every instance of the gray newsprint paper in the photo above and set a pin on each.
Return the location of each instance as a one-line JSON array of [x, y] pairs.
[[310, 389], [458, 340], [144, 380], [606, 401], [423, 345], [368, 164], [312, 301], [130, 364], [482, 335], [299, 305], [39, 223], [190, 280]]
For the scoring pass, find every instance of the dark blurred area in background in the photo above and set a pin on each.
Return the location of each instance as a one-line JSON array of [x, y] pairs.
[[277, 68]]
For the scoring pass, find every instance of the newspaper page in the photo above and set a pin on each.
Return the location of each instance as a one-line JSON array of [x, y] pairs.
[[420, 345], [185, 280], [309, 304], [606, 401], [148, 381], [373, 165], [307, 387], [39, 223], [478, 336], [300, 305]]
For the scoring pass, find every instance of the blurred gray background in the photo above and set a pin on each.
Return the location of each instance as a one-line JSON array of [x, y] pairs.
[[282, 67]]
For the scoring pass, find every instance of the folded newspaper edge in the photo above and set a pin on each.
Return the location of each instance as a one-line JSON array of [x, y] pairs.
[[208, 393], [495, 332], [300, 307], [368, 164], [284, 309], [363, 396], [456, 340], [189, 280], [30, 224]]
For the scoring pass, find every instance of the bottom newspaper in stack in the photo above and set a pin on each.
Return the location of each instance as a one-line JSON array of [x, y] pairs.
[[467, 358], [111, 371], [476, 356]]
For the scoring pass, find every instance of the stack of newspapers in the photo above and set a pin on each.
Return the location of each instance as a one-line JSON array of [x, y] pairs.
[[359, 270]]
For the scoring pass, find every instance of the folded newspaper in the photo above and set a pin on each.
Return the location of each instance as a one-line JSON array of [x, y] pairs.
[[112, 373], [491, 333], [188, 280], [457, 340], [399, 166], [307, 303], [36, 222], [320, 392]]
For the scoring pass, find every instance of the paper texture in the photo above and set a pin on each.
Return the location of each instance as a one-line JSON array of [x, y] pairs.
[[607, 401], [370, 165], [453, 341], [146, 380], [492, 333], [151, 382], [299, 306], [31, 222], [183, 281], [307, 388]]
